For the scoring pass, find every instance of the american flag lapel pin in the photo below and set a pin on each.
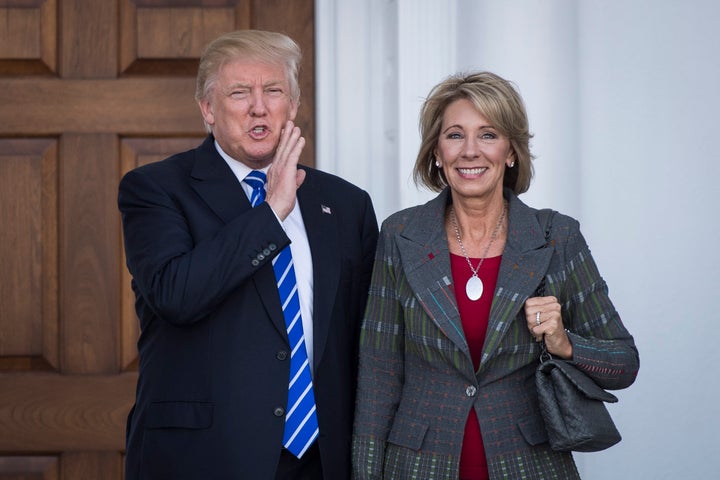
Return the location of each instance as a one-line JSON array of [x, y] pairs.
[[326, 209]]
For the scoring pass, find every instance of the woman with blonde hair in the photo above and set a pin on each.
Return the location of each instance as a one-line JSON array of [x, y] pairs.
[[451, 335]]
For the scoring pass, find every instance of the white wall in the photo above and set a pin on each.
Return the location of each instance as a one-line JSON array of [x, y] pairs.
[[623, 99], [649, 79]]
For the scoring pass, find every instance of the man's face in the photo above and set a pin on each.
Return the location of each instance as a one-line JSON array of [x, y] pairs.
[[247, 108]]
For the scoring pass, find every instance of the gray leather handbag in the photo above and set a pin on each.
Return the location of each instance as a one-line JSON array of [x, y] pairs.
[[573, 408], [571, 403]]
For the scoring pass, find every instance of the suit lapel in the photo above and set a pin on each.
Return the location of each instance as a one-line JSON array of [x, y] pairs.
[[321, 225], [216, 184]]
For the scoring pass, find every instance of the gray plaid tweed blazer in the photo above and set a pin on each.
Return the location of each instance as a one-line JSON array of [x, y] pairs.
[[417, 385]]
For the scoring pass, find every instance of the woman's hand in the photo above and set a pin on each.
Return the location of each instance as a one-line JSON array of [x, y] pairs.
[[543, 318]]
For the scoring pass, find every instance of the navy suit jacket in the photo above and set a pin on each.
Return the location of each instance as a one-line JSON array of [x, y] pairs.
[[214, 355]]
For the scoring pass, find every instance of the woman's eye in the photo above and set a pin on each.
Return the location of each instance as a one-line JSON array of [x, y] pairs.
[[454, 136], [488, 136]]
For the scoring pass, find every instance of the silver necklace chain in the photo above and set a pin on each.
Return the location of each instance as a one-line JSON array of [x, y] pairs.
[[487, 249]]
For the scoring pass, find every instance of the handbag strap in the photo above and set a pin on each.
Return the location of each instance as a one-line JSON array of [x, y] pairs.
[[545, 216]]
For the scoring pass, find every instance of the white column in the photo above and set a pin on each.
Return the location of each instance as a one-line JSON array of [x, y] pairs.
[[426, 53], [356, 95], [533, 44], [376, 62]]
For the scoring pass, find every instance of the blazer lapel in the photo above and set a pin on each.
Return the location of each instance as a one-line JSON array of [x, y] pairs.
[[423, 247], [425, 257], [524, 263], [321, 225]]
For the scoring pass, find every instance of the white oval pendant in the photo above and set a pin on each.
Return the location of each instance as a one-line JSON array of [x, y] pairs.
[[474, 288]]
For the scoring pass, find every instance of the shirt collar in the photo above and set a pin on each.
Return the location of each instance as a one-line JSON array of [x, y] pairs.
[[239, 169]]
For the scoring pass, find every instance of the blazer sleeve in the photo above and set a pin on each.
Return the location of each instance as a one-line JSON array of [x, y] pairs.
[[184, 260], [381, 369], [602, 346]]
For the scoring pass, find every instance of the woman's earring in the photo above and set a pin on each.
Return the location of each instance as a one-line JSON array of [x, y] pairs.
[[437, 164], [512, 164]]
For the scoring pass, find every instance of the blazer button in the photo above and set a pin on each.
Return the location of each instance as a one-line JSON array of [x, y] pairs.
[[255, 262], [279, 411], [272, 247], [281, 355], [267, 252], [470, 391], [261, 256]]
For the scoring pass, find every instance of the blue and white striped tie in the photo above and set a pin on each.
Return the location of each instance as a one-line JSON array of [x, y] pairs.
[[256, 179], [301, 426]]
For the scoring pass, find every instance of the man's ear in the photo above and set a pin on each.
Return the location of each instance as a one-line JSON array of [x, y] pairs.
[[294, 106], [207, 111]]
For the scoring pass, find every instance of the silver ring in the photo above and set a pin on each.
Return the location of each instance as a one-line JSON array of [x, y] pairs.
[[537, 318]]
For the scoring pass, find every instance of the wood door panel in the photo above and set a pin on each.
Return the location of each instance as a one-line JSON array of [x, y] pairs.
[[20, 25], [29, 257], [89, 253], [89, 38], [55, 413], [179, 32], [131, 106], [93, 465], [29, 467], [27, 36], [162, 36]]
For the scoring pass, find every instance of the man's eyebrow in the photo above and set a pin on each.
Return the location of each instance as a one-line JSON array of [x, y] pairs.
[[235, 85], [273, 82], [269, 83]]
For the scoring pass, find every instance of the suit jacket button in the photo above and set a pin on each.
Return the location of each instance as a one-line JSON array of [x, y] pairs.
[[267, 252], [470, 391], [261, 256], [279, 411], [272, 247], [281, 355], [255, 262]]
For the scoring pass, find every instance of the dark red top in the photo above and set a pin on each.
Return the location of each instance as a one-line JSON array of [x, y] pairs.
[[474, 316]]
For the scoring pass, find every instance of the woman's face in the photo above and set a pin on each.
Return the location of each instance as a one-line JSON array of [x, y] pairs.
[[471, 151]]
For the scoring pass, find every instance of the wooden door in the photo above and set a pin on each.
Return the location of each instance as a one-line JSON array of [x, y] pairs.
[[88, 90]]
